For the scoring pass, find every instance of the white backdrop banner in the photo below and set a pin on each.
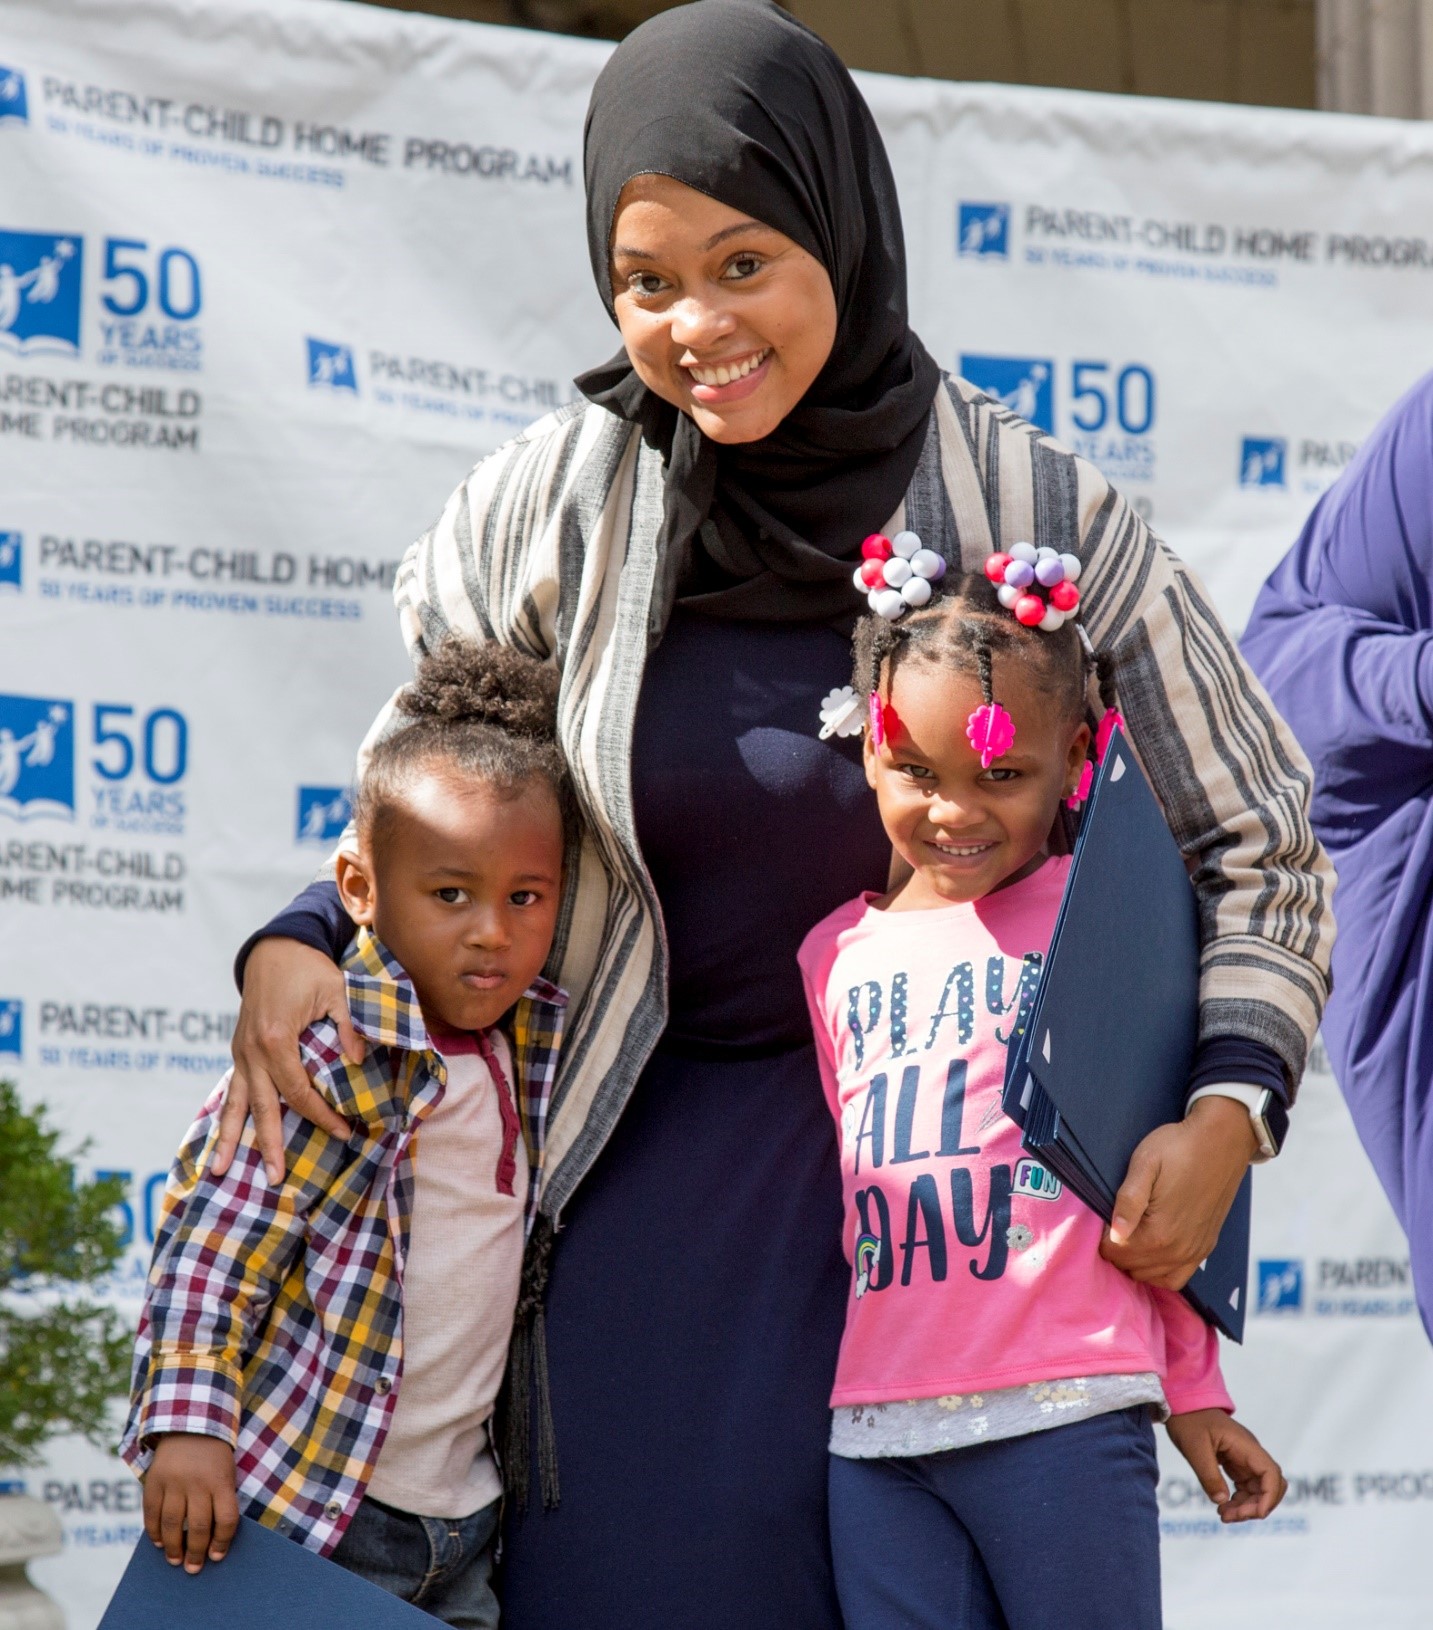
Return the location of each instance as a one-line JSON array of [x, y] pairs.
[[274, 273]]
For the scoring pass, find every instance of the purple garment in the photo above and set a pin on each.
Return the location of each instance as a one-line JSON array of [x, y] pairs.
[[1342, 635]]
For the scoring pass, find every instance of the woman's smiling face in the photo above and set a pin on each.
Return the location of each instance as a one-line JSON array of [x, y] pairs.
[[728, 320]]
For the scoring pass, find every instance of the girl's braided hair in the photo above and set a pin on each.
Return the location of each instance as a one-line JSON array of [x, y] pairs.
[[486, 711], [965, 627]]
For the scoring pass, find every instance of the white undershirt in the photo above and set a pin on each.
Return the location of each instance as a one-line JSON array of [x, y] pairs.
[[460, 1287]]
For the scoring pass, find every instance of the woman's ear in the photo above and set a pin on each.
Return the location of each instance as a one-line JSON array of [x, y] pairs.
[[353, 874]]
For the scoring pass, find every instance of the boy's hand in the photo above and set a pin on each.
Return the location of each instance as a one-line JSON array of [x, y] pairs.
[[190, 1506], [1210, 1440]]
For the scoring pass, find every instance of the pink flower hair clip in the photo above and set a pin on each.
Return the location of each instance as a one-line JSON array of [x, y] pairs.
[[991, 732]]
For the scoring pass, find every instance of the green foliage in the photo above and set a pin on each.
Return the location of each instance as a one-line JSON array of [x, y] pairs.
[[61, 1359]]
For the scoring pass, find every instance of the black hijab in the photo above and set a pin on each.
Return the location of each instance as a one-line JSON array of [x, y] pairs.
[[738, 100]]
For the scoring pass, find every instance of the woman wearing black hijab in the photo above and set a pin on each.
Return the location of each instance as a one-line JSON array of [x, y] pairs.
[[681, 547]]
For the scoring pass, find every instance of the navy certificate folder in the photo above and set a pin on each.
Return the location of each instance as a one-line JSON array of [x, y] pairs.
[[265, 1583], [1105, 1053]]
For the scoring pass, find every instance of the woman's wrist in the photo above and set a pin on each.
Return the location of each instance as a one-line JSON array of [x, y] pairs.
[[1227, 1124]]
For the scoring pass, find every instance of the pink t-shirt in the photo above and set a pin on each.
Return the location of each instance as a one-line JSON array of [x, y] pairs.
[[971, 1268]]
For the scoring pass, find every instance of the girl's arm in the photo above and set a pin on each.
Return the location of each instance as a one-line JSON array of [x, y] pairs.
[[1191, 1375], [1200, 1426], [1213, 1444]]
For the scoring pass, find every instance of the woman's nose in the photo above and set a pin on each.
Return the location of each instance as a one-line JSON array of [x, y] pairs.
[[699, 323]]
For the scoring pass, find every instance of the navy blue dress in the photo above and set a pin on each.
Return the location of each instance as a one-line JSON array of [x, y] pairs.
[[698, 1289]]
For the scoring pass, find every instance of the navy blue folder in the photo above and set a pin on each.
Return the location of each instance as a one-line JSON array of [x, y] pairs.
[[1105, 1054], [265, 1583]]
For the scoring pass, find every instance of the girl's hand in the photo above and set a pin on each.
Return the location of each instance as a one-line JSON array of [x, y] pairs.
[[287, 987], [1181, 1182], [190, 1507], [1210, 1440]]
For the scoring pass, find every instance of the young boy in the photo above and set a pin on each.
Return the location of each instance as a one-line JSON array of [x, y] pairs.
[[324, 1355]]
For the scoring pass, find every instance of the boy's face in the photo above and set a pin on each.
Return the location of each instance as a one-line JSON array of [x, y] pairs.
[[463, 890], [962, 829]]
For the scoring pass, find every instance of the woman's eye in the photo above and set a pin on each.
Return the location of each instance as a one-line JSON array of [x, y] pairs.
[[646, 284], [742, 266]]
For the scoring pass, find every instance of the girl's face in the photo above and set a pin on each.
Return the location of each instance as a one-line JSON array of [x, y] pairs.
[[963, 830], [724, 318]]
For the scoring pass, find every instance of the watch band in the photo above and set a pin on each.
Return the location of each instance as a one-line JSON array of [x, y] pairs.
[[1270, 1117]]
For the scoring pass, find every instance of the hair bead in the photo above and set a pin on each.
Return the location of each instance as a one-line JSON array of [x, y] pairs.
[[916, 591]]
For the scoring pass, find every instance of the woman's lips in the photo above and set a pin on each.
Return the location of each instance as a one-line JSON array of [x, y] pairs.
[[735, 389]]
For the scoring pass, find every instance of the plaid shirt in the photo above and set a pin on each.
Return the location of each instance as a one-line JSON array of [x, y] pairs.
[[274, 1316]]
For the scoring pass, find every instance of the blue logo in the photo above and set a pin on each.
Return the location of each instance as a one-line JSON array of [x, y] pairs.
[[1261, 461], [40, 292], [10, 555], [12, 1026], [1281, 1286], [1026, 385], [323, 813], [983, 231], [331, 366], [13, 104], [37, 757]]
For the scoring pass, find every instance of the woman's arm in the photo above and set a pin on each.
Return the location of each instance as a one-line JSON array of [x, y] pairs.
[[288, 986], [1235, 788], [1232, 780], [315, 918], [1342, 631]]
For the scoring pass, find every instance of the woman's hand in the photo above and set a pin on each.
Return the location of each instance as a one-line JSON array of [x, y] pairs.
[[1213, 1444], [190, 1507], [287, 987], [1181, 1182]]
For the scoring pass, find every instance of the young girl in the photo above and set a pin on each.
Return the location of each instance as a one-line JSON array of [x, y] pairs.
[[992, 1455]]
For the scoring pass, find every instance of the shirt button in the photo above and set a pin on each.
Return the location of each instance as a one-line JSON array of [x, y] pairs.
[[333, 1510], [383, 1385]]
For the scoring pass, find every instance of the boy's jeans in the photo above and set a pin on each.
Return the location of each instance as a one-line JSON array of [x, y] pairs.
[[443, 1565]]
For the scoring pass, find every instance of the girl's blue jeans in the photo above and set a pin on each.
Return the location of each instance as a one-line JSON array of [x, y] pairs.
[[1058, 1530]]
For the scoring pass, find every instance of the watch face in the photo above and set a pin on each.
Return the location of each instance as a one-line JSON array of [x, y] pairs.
[[1276, 1118]]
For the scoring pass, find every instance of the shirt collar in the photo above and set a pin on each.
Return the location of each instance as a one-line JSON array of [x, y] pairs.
[[381, 998], [384, 1005]]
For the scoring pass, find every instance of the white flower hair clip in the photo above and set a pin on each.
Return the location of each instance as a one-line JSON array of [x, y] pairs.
[[842, 714]]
